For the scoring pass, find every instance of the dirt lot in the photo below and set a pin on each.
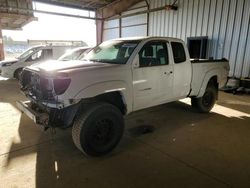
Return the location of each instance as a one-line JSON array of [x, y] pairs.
[[166, 146]]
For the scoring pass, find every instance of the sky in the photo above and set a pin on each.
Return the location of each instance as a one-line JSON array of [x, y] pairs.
[[51, 27]]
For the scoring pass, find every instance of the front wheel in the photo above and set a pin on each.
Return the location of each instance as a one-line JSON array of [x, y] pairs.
[[98, 129], [205, 103]]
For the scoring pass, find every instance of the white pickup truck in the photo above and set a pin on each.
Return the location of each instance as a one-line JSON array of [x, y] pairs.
[[114, 79]]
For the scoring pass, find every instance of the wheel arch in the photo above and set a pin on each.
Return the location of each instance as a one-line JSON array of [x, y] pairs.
[[115, 98], [116, 93], [211, 77]]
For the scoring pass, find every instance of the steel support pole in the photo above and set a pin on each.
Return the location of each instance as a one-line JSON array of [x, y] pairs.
[[99, 28], [1, 46]]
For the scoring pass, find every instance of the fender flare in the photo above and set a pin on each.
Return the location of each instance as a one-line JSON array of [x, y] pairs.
[[206, 79], [107, 87]]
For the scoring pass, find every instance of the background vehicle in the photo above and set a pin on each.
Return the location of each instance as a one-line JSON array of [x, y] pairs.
[[114, 79], [74, 54], [13, 68]]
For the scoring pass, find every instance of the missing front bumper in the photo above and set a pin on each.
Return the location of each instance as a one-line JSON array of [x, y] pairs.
[[38, 117], [52, 117]]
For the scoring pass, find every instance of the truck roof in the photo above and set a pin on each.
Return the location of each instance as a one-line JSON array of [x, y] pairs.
[[149, 37]]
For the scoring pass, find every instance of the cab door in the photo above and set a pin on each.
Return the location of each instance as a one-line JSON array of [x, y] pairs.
[[153, 78], [182, 70]]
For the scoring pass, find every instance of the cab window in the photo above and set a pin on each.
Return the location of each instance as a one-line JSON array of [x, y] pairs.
[[178, 52], [40, 55], [153, 53], [36, 56]]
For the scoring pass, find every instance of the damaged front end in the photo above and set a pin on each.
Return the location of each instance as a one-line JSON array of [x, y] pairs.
[[44, 105]]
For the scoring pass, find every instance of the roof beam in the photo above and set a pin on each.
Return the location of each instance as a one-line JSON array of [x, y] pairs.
[[91, 5], [116, 8], [66, 5], [46, 12]]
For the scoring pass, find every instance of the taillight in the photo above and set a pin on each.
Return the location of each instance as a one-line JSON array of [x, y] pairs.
[[61, 85]]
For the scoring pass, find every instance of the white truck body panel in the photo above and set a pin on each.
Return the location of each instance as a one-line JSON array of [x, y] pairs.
[[147, 87]]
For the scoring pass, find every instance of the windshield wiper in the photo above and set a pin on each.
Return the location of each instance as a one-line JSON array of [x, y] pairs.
[[97, 60], [102, 61], [64, 59]]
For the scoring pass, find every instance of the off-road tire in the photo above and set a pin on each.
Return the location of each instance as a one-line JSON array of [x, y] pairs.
[[88, 130], [205, 103]]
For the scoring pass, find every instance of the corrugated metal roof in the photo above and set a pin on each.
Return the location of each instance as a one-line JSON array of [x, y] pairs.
[[130, 26], [11, 18]]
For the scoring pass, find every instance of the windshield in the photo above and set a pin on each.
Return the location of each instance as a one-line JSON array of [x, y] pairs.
[[116, 52], [71, 55], [26, 53]]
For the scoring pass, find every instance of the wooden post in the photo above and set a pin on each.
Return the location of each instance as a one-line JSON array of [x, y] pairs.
[[1, 46]]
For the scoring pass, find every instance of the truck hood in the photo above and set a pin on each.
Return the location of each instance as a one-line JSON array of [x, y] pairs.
[[8, 61], [56, 65]]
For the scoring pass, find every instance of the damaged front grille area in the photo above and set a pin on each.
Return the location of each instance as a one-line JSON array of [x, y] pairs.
[[40, 90], [37, 87]]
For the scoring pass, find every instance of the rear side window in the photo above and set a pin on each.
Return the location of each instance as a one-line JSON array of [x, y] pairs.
[[36, 56], [178, 52]]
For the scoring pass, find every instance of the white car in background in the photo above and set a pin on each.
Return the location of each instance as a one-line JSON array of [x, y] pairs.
[[36, 54], [75, 54]]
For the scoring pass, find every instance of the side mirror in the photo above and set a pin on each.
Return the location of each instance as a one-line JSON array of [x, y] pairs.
[[136, 62]]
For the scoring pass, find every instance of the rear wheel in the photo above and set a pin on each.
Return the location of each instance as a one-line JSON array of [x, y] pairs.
[[97, 130], [205, 103]]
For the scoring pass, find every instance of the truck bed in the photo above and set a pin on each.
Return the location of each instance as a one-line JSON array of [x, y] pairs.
[[208, 60], [203, 68]]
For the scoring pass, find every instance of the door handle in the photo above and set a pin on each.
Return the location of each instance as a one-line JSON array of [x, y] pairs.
[[171, 72], [145, 89]]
